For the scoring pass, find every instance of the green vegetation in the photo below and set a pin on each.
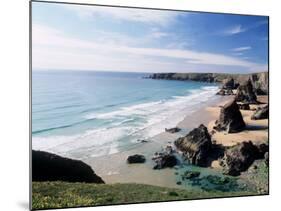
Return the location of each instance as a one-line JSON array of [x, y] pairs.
[[62, 194], [257, 177]]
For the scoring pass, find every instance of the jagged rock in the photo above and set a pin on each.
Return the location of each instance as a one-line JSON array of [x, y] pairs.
[[245, 93], [172, 130], [230, 118], [228, 83], [136, 159], [196, 145], [165, 160], [260, 83], [239, 158], [244, 106], [50, 167], [261, 113]]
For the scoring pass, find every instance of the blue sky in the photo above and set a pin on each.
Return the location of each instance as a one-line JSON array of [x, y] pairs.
[[77, 37]]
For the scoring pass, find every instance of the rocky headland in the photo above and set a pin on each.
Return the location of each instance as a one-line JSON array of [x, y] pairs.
[[229, 81]]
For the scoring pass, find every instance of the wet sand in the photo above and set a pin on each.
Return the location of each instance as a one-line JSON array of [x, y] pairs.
[[114, 169]]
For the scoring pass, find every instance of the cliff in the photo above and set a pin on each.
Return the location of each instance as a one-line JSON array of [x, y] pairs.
[[259, 80], [50, 167]]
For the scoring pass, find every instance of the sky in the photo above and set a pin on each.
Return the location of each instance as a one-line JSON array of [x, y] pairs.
[[97, 38]]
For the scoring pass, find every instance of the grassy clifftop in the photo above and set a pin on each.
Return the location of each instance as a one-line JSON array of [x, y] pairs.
[[62, 194]]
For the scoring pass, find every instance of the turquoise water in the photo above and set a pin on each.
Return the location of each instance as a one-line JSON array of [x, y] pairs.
[[101, 113]]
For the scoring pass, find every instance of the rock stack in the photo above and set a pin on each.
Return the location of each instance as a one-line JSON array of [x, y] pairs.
[[230, 119], [196, 145]]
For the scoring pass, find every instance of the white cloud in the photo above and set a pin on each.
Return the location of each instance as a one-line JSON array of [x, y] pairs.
[[157, 17], [54, 49], [237, 29], [238, 54], [244, 48]]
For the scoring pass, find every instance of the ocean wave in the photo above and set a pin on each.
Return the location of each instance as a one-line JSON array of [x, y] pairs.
[[60, 127], [146, 109], [94, 142], [125, 129]]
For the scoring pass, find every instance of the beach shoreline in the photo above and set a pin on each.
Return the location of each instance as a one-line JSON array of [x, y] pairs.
[[114, 168]]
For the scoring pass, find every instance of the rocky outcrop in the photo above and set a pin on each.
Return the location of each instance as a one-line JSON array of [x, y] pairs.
[[172, 130], [136, 159], [245, 93], [241, 156], [165, 158], [230, 119], [261, 113], [202, 77], [259, 80], [260, 83], [228, 83], [196, 146], [50, 167]]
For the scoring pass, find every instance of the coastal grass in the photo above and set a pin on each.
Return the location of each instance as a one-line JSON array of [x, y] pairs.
[[62, 194]]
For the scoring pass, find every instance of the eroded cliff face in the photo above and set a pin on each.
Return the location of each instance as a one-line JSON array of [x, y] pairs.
[[259, 80]]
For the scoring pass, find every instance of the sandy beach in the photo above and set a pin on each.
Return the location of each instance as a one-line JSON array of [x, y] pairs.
[[256, 130], [114, 169]]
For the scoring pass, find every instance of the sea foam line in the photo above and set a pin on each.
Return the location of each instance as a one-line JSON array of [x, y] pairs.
[[97, 142]]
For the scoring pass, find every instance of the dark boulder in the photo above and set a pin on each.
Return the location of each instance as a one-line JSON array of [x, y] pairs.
[[164, 160], [245, 93], [239, 158], [196, 145], [136, 159], [244, 106], [230, 118], [228, 83], [261, 113], [262, 150], [50, 167], [172, 130]]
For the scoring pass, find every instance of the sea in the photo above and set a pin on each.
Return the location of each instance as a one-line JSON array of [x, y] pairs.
[[95, 113]]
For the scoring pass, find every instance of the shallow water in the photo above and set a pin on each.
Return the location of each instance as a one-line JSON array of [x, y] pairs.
[[90, 114]]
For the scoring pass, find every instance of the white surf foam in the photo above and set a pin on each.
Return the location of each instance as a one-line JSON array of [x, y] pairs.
[[156, 117]]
